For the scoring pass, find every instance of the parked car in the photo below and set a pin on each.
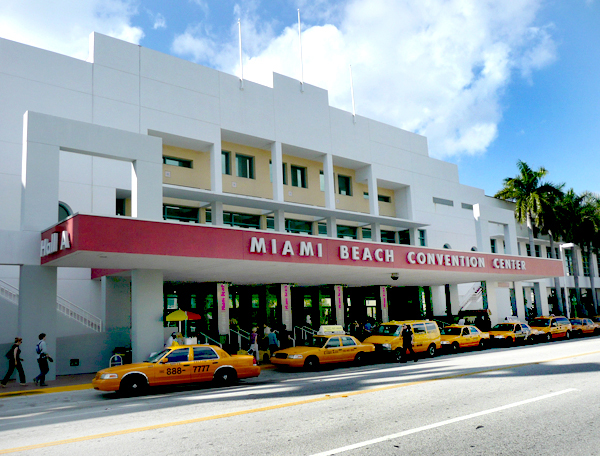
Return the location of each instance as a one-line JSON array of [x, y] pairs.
[[553, 327], [456, 337], [177, 365], [387, 338], [583, 327]]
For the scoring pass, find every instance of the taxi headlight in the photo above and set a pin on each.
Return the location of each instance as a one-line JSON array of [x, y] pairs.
[[386, 346], [295, 356], [107, 376], [445, 342], [499, 336]]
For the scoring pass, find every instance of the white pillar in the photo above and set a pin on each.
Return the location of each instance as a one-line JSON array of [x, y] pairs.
[[454, 299], [376, 232], [518, 286], [492, 301], [331, 227], [216, 173], [37, 314], [329, 183], [541, 293], [286, 306], [510, 239], [438, 300], [482, 231], [216, 213], [147, 333], [373, 195], [279, 218], [146, 190], [277, 171], [116, 300]]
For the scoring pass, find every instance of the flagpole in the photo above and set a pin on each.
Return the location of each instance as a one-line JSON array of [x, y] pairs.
[[301, 62], [241, 64], [352, 92]]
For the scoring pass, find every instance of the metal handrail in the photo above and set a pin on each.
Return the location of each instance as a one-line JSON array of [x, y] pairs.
[[239, 336], [304, 330], [9, 292], [207, 338]]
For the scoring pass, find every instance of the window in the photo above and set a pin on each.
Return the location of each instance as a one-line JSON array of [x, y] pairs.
[[419, 328], [348, 341], [422, 238], [384, 198], [493, 246], [322, 180], [431, 327], [241, 220], [366, 195], [569, 261], [447, 246], [181, 213], [245, 166], [322, 229], [404, 237], [298, 176], [344, 185], [201, 353], [333, 342], [388, 236], [528, 248], [284, 166], [366, 233], [226, 162], [298, 226], [346, 232], [443, 201], [177, 162], [538, 251], [64, 211], [180, 355], [120, 206], [586, 264]]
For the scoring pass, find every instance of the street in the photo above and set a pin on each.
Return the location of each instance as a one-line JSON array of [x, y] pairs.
[[540, 399]]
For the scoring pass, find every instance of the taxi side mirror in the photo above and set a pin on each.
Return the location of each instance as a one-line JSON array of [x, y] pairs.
[[164, 361]]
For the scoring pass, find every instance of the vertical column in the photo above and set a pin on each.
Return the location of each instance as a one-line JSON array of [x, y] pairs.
[[223, 309], [37, 314], [384, 304], [146, 190], [520, 301], [338, 302], [286, 306], [216, 173], [438, 300], [277, 170], [454, 298], [329, 182], [147, 334], [492, 300], [216, 213], [279, 217], [331, 227], [482, 231], [376, 232], [373, 195], [510, 240], [116, 300], [541, 297]]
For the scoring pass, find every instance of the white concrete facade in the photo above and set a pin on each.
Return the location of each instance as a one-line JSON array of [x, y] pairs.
[[83, 133]]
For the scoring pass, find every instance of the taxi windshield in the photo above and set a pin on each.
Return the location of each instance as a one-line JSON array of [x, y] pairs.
[[542, 323], [387, 330], [318, 341], [503, 327], [575, 321], [451, 331], [155, 357]]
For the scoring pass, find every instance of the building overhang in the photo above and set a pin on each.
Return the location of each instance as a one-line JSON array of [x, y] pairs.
[[204, 253]]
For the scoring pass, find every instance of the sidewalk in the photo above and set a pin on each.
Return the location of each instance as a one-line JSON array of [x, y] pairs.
[[61, 384]]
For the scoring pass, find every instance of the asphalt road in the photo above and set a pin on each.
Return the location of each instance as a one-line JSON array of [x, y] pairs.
[[535, 400]]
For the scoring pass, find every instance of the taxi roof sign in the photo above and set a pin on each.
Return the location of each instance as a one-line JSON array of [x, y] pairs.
[[326, 330]]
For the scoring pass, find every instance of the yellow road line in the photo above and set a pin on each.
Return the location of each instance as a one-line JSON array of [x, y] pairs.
[[53, 389], [275, 407]]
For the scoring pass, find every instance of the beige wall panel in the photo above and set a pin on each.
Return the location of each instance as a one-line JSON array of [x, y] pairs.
[[198, 176], [260, 186], [311, 195]]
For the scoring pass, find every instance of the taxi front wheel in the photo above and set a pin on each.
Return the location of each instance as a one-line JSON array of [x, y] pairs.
[[311, 363], [133, 385], [549, 337], [225, 377]]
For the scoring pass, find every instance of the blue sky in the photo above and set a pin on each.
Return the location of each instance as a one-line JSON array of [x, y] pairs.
[[488, 83]]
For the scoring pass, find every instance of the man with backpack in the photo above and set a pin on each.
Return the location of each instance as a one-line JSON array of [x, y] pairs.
[[43, 358]]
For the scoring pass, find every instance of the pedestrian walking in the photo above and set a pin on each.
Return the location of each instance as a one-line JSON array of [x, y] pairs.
[[14, 362], [273, 342], [42, 358], [407, 343], [254, 344]]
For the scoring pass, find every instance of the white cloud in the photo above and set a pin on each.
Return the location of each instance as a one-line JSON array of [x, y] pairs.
[[159, 22], [64, 26], [436, 67]]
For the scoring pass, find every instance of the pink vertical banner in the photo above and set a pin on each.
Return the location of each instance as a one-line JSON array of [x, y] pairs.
[[384, 304], [286, 306], [223, 308], [338, 292]]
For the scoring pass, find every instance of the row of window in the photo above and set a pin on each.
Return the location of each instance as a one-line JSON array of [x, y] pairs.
[[191, 214], [245, 168]]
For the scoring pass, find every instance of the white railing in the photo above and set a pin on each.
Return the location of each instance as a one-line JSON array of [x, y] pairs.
[[63, 306], [9, 292], [472, 296], [207, 338], [240, 335], [304, 332], [77, 313]]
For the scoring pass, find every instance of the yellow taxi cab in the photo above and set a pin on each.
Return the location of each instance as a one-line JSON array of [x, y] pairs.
[[387, 338], [455, 337], [329, 345], [533, 335], [510, 333], [552, 327], [596, 320], [583, 327], [177, 365]]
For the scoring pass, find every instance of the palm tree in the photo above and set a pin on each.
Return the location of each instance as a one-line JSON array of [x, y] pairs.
[[533, 200], [581, 225]]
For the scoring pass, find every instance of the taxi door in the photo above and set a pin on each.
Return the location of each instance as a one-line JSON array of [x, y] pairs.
[[469, 338], [332, 351], [174, 368], [204, 364], [420, 339], [349, 348]]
